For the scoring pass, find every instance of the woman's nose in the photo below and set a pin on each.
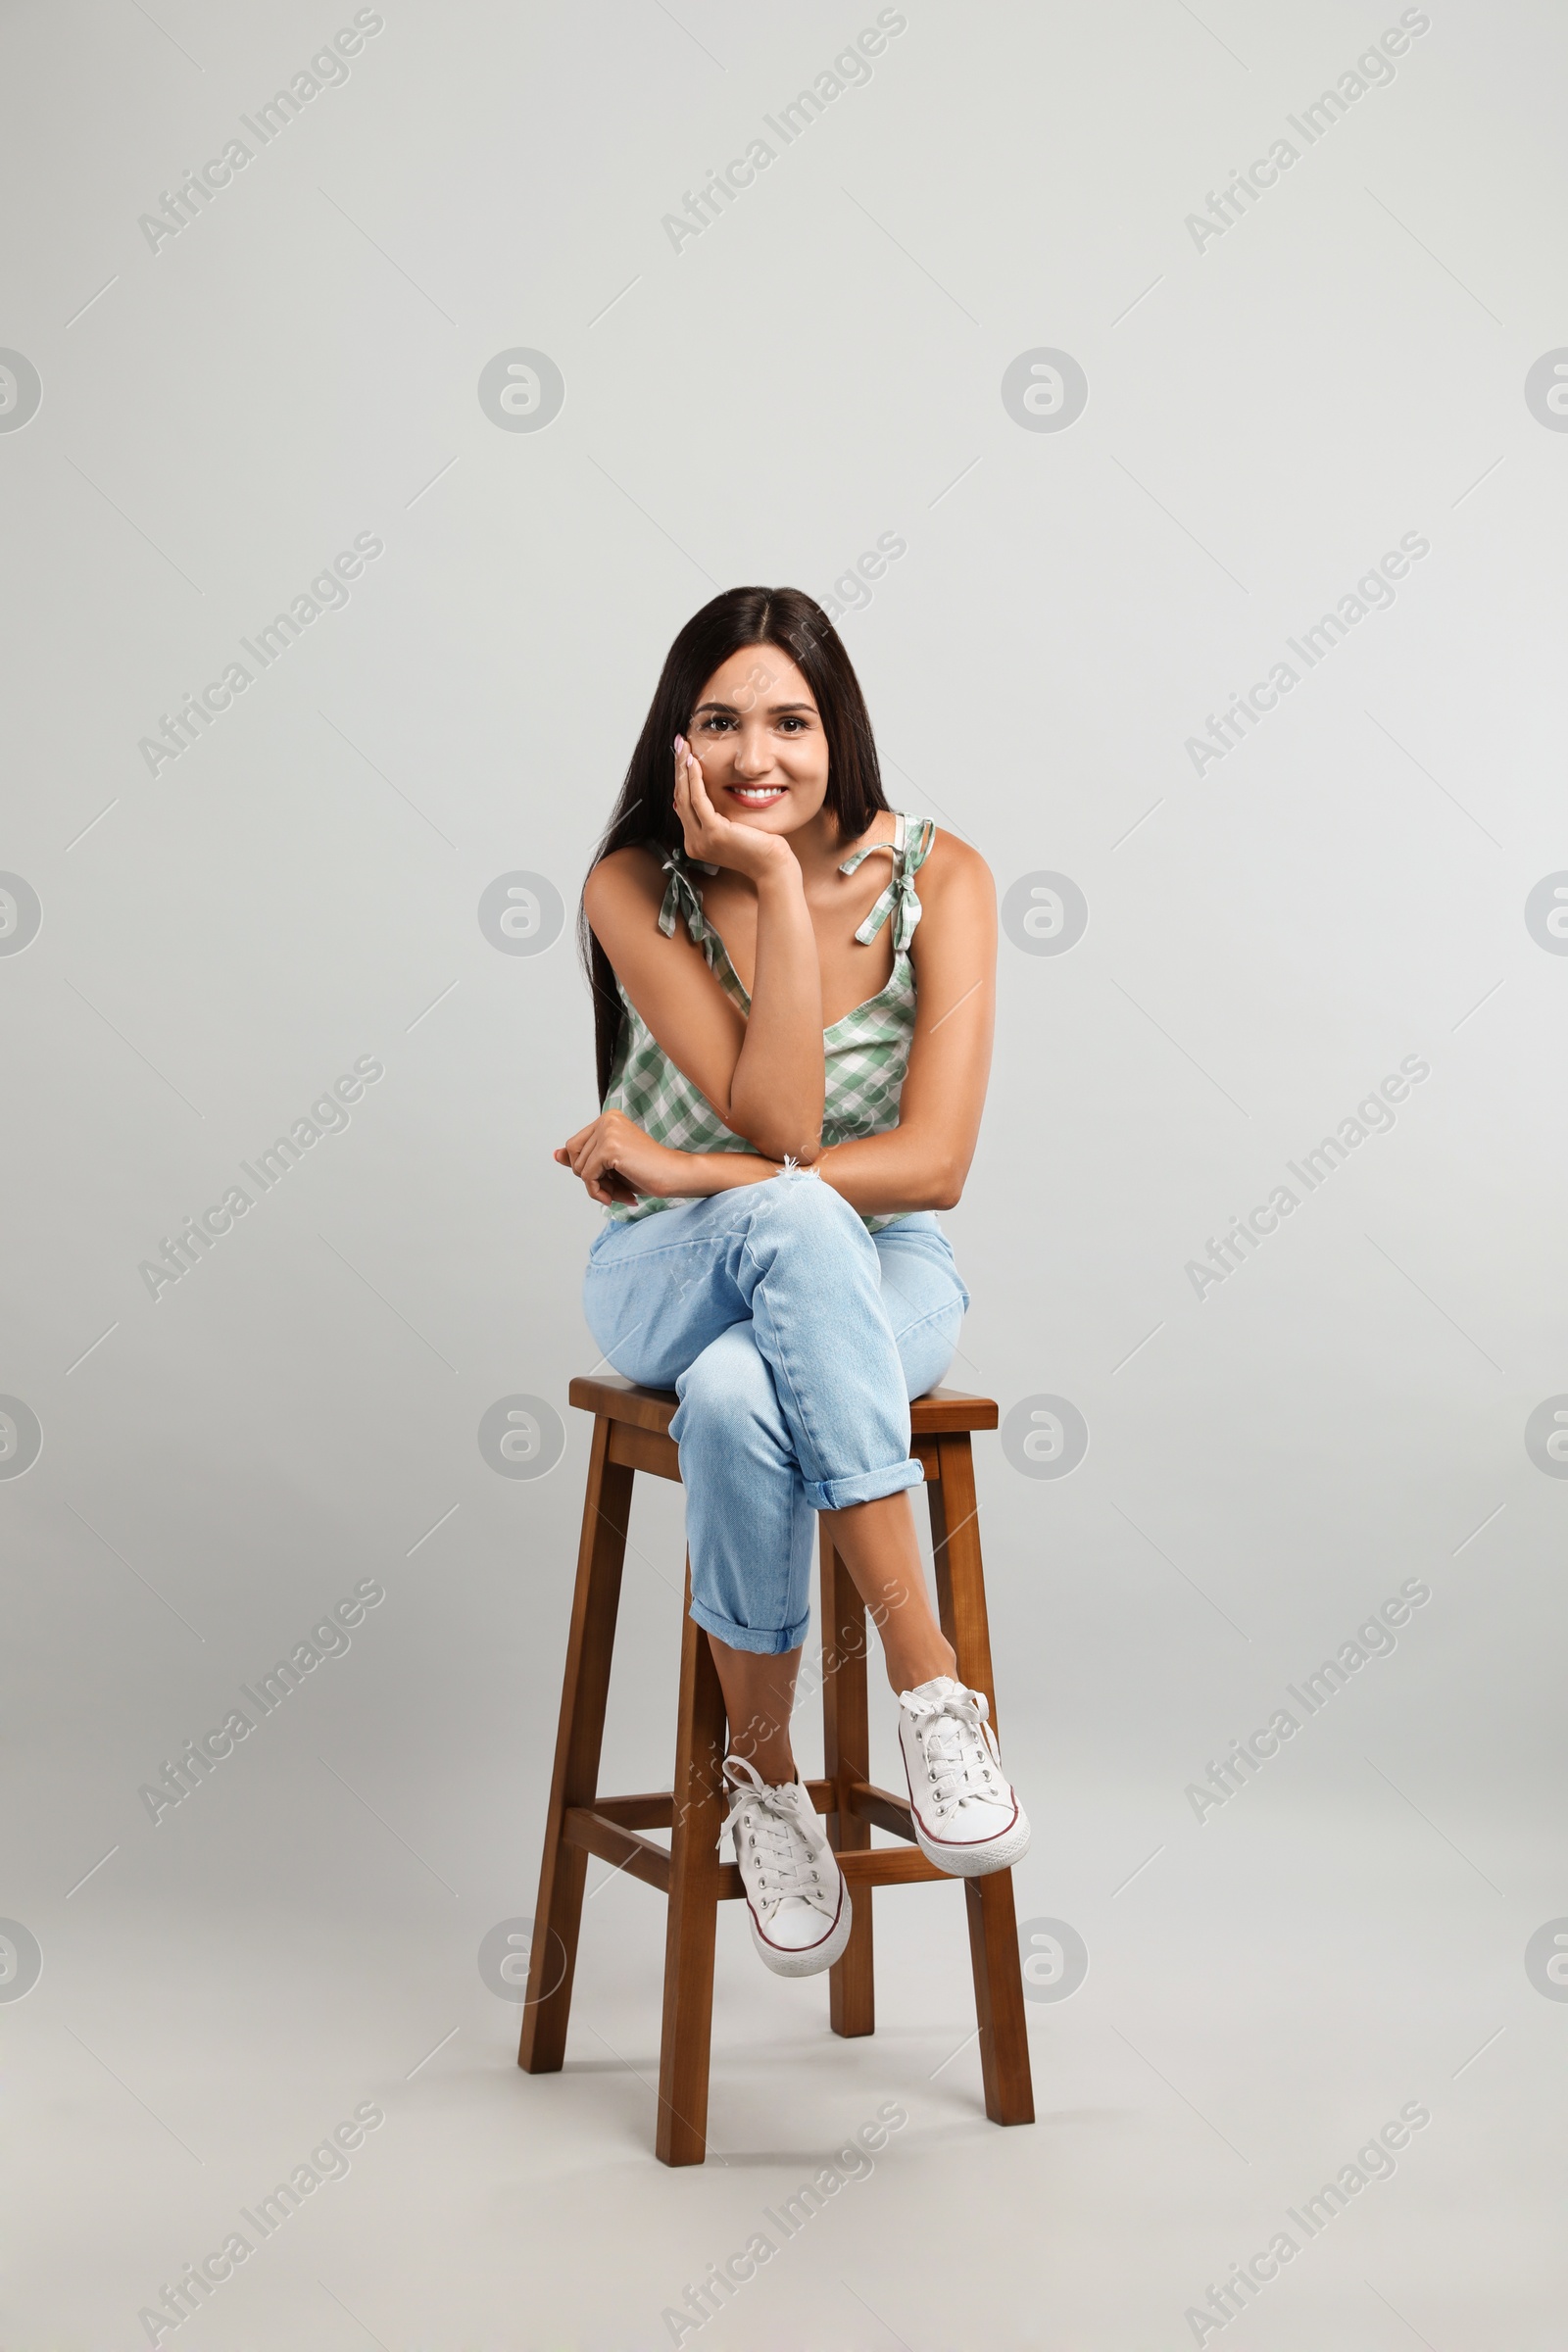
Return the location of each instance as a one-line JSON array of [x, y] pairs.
[[752, 758]]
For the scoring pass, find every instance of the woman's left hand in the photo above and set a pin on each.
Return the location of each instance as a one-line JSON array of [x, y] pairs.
[[617, 1162]]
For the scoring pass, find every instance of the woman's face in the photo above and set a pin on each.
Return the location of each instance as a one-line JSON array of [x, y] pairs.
[[758, 733]]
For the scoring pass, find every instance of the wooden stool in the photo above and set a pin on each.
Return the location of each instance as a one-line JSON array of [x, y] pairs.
[[631, 1433]]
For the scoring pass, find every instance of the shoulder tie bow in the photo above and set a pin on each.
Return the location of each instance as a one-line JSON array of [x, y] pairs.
[[682, 897], [900, 899]]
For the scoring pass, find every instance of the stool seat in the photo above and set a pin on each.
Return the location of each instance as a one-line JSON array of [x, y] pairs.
[[640, 1436], [631, 1433]]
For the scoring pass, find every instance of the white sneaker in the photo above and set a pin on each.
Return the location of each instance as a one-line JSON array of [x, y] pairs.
[[966, 1819], [795, 1890]]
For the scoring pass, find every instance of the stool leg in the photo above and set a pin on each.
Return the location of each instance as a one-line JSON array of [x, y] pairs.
[[847, 1757], [694, 1868], [992, 1922], [579, 1738]]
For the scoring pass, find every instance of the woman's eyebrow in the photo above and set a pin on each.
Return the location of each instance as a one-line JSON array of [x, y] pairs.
[[775, 709]]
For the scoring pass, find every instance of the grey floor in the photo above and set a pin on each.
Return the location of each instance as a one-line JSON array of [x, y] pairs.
[[1264, 1994]]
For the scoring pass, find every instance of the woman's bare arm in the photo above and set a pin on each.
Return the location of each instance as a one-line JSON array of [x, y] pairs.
[[763, 1076], [923, 1162]]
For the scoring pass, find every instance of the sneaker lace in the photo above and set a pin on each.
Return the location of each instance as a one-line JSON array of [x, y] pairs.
[[781, 1857], [959, 1749]]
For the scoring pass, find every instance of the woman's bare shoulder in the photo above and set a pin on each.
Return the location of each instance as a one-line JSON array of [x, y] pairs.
[[622, 885], [954, 870]]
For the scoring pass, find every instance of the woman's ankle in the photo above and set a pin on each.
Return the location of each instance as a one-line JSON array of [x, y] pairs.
[[773, 1762], [909, 1668]]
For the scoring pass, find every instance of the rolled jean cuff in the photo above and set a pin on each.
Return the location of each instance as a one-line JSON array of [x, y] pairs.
[[751, 1637], [863, 1486]]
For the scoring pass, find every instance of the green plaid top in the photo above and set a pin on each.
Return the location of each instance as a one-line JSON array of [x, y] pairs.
[[867, 1053]]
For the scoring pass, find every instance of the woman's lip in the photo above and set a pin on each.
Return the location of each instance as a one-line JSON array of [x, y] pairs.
[[771, 792]]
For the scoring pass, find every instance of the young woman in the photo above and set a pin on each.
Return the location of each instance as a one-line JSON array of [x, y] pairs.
[[794, 993]]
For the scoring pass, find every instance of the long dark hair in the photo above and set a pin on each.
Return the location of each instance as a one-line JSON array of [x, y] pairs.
[[794, 623]]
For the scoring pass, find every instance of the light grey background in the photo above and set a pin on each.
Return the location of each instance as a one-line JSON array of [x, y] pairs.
[[1267, 1464]]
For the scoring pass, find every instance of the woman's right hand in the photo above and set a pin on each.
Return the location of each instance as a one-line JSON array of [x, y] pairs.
[[718, 840]]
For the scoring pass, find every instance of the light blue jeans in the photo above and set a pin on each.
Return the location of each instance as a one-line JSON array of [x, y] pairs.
[[794, 1339]]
